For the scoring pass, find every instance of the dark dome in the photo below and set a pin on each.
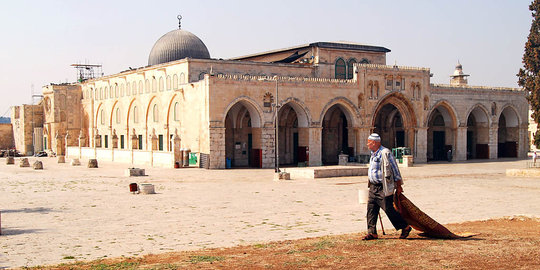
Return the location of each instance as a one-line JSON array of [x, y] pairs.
[[175, 45]]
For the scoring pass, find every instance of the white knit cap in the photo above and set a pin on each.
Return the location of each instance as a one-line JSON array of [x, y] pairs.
[[374, 137]]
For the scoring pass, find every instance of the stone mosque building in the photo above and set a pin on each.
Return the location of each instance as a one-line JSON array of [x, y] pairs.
[[330, 96]]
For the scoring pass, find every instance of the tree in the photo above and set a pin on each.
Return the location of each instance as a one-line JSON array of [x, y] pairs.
[[528, 76]]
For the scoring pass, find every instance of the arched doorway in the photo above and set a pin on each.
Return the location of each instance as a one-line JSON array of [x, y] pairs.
[[243, 136], [508, 133], [394, 120], [288, 136], [477, 134], [441, 134], [389, 125], [335, 135], [293, 134]]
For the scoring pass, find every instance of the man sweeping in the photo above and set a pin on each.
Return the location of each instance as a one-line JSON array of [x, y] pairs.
[[384, 177]]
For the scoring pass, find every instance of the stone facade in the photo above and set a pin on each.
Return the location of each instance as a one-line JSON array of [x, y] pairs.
[[328, 98], [6, 136], [26, 119], [63, 115]]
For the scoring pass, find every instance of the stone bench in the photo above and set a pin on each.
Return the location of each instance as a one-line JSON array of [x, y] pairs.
[[134, 172]]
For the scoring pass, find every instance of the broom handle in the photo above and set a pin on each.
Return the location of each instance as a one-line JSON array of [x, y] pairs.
[[380, 219]]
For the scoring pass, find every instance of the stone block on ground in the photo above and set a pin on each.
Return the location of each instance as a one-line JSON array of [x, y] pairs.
[[92, 163], [282, 176], [147, 189], [38, 165], [407, 161], [75, 162], [23, 162], [10, 161], [61, 159], [134, 172]]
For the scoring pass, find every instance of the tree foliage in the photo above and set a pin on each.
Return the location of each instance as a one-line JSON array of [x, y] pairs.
[[529, 77]]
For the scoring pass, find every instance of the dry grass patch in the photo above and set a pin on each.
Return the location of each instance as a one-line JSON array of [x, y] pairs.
[[508, 243]]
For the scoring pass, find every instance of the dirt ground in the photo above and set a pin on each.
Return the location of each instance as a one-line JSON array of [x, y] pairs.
[[507, 243]]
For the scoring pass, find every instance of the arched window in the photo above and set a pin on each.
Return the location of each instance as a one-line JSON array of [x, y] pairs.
[[376, 86], [111, 94], [201, 76], [350, 68], [91, 93], [122, 90], [128, 89], [102, 117], [155, 113], [168, 82], [364, 61], [147, 86], [182, 78], [175, 82], [154, 84], [413, 90], [340, 69], [135, 114], [176, 118], [116, 91], [118, 117], [370, 87], [134, 88], [141, 88], [100, 92], [161, 86], [419, 91]]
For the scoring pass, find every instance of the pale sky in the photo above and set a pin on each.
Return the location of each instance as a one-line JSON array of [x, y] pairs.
[[42, 38]]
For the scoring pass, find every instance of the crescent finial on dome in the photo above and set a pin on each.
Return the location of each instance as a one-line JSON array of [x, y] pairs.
[[179, 17]]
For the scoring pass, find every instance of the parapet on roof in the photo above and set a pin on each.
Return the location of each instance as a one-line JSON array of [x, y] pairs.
[[329, 45]]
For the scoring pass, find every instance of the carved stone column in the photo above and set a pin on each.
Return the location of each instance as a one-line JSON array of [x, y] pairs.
[[461, 144], [421, 145], [493, 141], [315, 146]]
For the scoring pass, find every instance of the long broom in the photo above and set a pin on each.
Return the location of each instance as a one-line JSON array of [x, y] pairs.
[[380, 219]]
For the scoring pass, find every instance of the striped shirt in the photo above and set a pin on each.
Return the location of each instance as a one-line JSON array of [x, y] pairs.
[[375, 169]]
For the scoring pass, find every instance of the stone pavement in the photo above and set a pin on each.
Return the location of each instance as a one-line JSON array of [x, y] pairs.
[[52, 215]]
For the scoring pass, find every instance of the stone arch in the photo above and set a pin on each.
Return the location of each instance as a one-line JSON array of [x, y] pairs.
[[154, 140], [404, 106], [170, 108], [511, 114], [148, 110], [350, 110], [450, 116], [111, 118], [508, 132], [98, 109], [131, 132], [243, 133], [395, 120], [477, 111], [302, 111], [337, 135], [442, 126], [478, 123], [254, 110], [293, 131]]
